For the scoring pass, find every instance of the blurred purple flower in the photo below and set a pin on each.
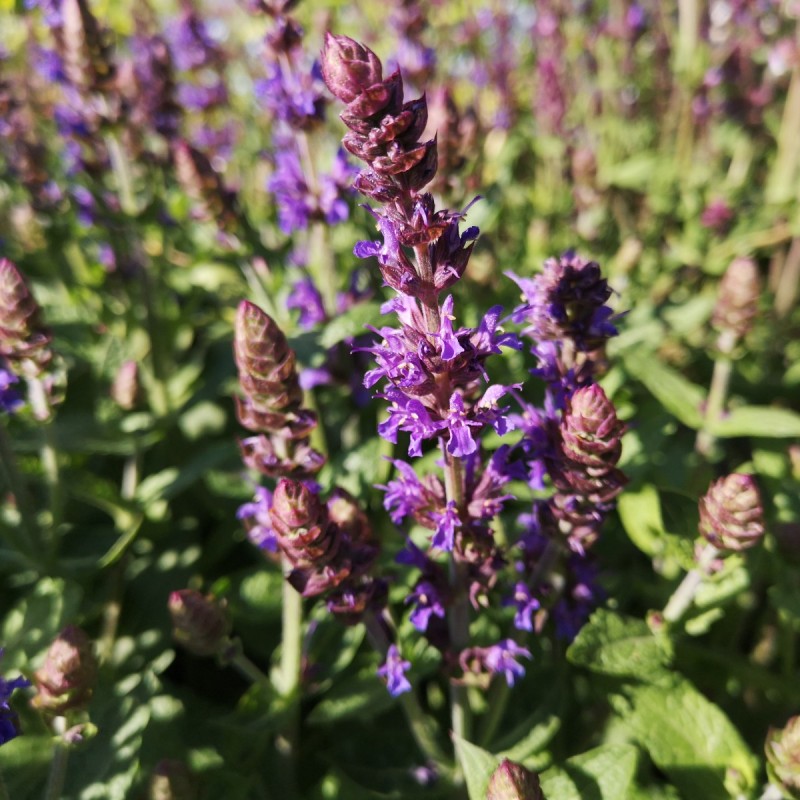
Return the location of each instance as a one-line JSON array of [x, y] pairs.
[[394, 672], [10, 399], [501, 658], [8, 718], [258, 521]]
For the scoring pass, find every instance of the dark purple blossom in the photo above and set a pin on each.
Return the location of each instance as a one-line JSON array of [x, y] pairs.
[[305, 297], [8, 718], [446, 524], [393, 671], [426, 598], [525, 604]]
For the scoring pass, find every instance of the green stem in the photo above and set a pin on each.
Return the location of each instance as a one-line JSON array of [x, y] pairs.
[[717, 393], [684, 595], [160, 397], [688, 28], [30, 543], [121, 168], [786, 290], [4, 795], [782, 181], [58, 766]]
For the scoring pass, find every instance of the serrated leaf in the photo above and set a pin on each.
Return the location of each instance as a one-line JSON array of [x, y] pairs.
[[477, 764], [680, 397], [690, 739], [610, 644], [640, 512], [605, 773], [763, 421], [351, 323]]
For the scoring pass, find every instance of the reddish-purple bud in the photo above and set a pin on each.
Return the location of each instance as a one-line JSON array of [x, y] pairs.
[[67, 678], [199, 622], [737, 300], [349, 68], [24, 341], [731, 515], [512, 781], [126, 390], [590, 431], [294, 507], [783, 757]]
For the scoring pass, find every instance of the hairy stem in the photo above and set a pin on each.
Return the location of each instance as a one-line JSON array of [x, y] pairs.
[[684, 595]]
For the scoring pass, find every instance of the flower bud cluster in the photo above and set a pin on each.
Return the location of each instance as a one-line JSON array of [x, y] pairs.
[[731, 514], [199, 622], [204, 185], [330, 546], [512, 781], [737, 300], [68, 676], [271, 403]]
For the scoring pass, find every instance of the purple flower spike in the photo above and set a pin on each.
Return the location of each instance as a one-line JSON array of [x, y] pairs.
[[394, 671], [525, 604]]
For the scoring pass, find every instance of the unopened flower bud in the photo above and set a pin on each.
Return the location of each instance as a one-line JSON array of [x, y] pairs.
[[69, 673], [737, 300], [199, 622], [294, 507], [590, 431], [512, 781], [86, 48], [731, 515], [204, 185], [783, 758], [171, 780], [24, 341], [125, 389], [349, 68]]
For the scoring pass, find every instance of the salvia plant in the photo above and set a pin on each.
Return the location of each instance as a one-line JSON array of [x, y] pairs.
[[399, 400]]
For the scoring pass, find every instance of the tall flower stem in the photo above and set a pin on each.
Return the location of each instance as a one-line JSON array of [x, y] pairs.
[[290, 672], [458, 617], [684, 595]]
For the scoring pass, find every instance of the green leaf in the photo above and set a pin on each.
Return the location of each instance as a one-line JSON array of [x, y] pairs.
[[621, 647], [478, 766], [764, 421], [680, 397], [361, 695], [640, 512], [691, 740], [536, 731], [351, 323], [605, 773]]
